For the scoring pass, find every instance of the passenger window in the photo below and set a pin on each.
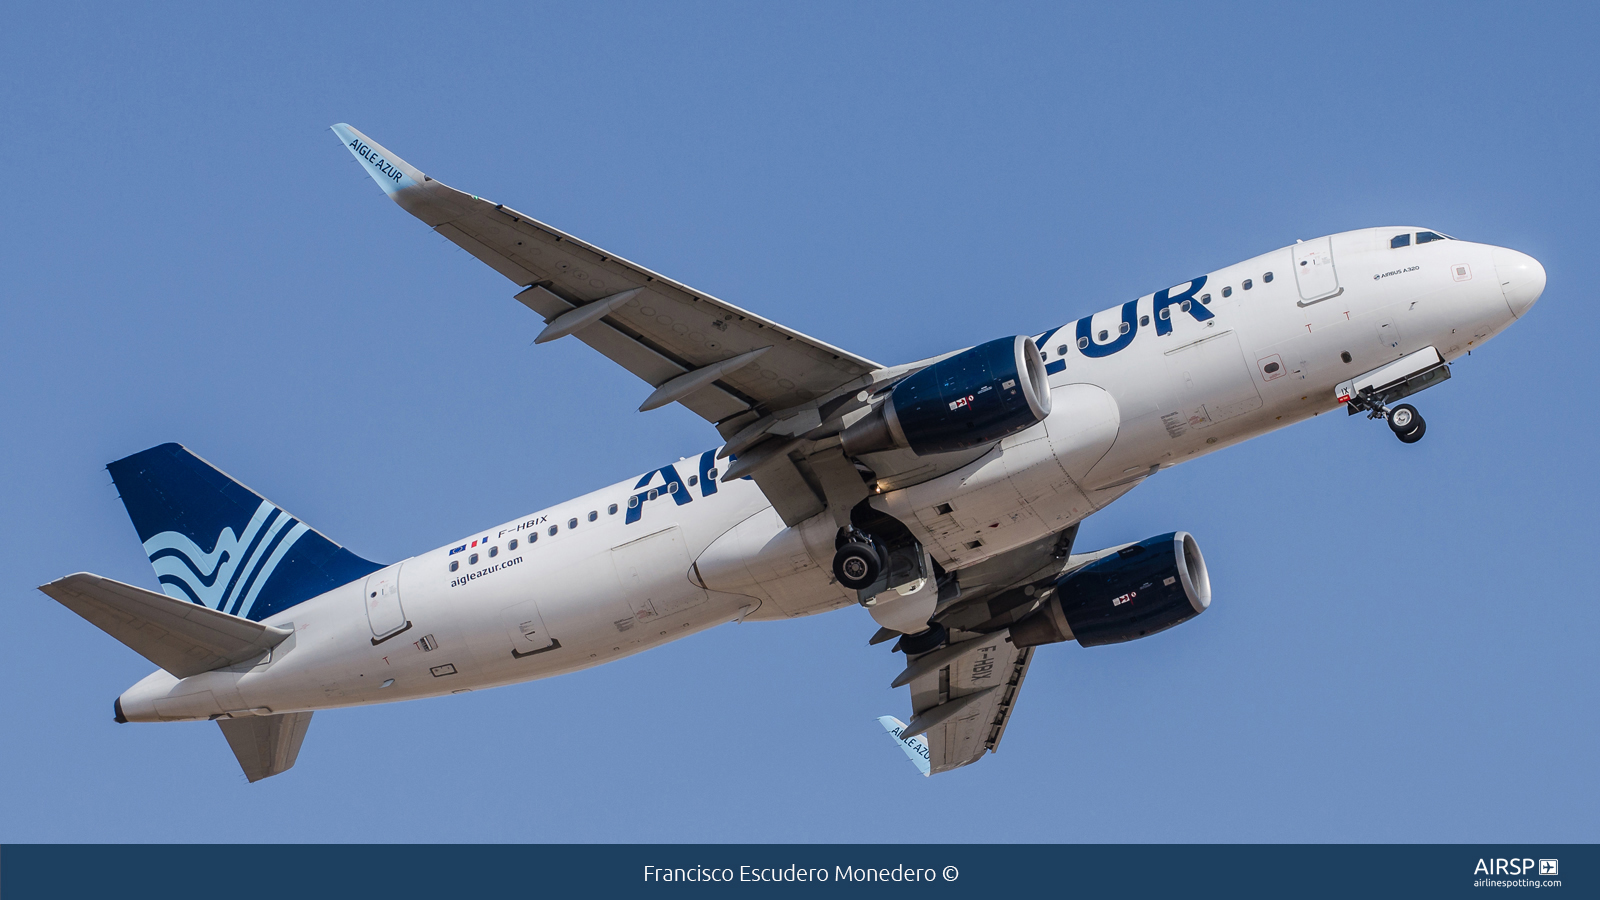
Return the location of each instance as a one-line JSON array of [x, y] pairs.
[[1123, 328], [472, 560], [1165, 314], [1083, 343], [1061, 350], [1424, 237], [1247, 284], [633, 501], [455, 564], [1104, 334], [593, 515], [533, 536], [711, 474], [1227, 291], [1205, 299], [695, 479], [611, 510], [1399, 240], [1267, 278], [512, 545], [571, 524], [1185, 306], [672, 488], [1345, 356], [1143, 320], [553, 529], [653, 494], [493, 552]]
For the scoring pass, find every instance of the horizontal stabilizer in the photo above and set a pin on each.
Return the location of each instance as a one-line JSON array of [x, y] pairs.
[[182, 637], [266, 745]]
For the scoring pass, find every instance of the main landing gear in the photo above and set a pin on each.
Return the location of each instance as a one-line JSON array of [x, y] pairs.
[[859, 561]]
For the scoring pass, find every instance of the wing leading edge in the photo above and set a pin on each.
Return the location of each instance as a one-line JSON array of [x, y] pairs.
[[661, 330]]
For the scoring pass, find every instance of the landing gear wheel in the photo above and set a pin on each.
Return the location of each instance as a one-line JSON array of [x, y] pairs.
[[857, 565], [1415, 434], [918, 644], [1403, 419]]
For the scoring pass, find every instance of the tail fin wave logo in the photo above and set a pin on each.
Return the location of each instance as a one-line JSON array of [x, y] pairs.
[[229, 577]]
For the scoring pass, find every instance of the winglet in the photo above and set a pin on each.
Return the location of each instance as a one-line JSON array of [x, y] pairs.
[[916, 748], [390, 172]]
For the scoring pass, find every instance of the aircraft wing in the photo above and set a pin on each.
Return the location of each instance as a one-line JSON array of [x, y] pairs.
[[728, 365], [963, 694], [963, 698]]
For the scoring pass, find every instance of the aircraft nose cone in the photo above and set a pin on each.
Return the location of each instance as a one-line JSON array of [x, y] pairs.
[[1521, 279]]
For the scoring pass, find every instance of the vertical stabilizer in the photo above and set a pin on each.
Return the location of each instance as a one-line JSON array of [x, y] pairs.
[[215, 542]]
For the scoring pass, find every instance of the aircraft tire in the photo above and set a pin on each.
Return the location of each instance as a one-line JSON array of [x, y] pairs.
[[857, 565], [1415, 434], [1404, 418]]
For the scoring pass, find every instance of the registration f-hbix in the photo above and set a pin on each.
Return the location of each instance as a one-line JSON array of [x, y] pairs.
[[942, 495]]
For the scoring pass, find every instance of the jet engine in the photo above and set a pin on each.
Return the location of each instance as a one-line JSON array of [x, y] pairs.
[[975, 397], [1133, 592]]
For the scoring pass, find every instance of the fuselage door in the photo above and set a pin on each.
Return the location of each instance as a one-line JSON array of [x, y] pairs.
[[382, 597], [1313, 269]]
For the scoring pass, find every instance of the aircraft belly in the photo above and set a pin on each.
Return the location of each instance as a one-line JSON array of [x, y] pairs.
[[787, 570], [1026, 487]]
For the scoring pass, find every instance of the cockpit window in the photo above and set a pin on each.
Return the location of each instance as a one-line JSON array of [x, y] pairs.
[[1424, 237], [1400, 240]]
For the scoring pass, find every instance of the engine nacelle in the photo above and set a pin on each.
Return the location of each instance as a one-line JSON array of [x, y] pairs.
[[1135, 592], [976, 397]]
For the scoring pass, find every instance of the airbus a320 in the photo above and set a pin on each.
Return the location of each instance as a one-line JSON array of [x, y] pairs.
[[943, 495]]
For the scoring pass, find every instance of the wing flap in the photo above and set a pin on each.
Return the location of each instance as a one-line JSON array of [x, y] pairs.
[[990, 667], [181, 637]]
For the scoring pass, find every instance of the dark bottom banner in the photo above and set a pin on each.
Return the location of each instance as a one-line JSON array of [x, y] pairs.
[[241, 872]]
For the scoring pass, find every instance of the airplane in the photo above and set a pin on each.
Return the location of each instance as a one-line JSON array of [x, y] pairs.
[[943, 495]]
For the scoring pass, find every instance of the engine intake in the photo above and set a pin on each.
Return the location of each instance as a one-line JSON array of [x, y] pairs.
[[975, 397], [1133, 593]]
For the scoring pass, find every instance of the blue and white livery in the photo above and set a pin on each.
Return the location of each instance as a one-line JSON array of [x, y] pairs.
[[915, 747], [942, 495]]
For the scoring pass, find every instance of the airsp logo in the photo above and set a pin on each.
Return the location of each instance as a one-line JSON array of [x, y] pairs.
[[1515, 867]]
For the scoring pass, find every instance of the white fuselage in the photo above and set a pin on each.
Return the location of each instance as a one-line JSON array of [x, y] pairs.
[[642, 562]]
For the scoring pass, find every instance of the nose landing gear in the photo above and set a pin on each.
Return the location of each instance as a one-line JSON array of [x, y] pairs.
[[1403, 418], [1373, 392]]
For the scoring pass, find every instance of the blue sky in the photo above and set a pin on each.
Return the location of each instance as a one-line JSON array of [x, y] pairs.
[[1401, 647]]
